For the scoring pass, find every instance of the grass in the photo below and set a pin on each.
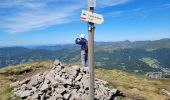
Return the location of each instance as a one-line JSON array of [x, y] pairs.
[[19, 69], [134, 87], [5, 91]]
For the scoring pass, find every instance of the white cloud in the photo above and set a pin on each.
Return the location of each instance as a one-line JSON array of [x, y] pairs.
[[105, 3], [25, 21], [25, 15]]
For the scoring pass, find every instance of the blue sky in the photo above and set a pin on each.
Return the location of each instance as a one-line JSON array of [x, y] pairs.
[[41, 22]]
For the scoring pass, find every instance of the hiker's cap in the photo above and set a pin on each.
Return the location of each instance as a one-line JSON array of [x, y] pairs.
[[82, 36]]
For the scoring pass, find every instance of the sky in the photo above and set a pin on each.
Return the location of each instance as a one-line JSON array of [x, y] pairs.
[[44, 22]]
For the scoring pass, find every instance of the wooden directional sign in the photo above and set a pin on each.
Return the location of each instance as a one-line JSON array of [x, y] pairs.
[[91, 3], [91, 17]]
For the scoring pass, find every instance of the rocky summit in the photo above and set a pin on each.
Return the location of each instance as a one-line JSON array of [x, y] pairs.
[[61, 83]]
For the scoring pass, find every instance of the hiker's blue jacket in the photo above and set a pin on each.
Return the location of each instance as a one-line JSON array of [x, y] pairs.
[[82, 42]]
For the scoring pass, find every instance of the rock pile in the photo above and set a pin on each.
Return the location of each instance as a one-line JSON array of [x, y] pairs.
[[61, 83]]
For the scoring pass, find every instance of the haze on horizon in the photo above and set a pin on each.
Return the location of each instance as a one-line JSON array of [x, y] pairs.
[[35, 22]]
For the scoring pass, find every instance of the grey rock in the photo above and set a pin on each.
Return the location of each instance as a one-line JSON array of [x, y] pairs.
[[42, 97], [76, 67], [33, 82], [165, 92], [28, 98], [67, 96], [44, 87], [62, 80], [25, 81], [48, 93], [35, 96], [40, 79], [85, 81], [40, 92], [23, 87], [56, 97], [34, 89], [59, 79], [84, 96], [25, 93], [57, 62], [79, 77], [47, 81], [51, 78], [60, 90], [15, 84]]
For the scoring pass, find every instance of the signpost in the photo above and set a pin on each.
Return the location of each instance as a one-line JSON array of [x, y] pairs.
[[91, 18]]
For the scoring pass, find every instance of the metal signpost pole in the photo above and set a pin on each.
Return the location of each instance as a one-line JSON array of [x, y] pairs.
[[91, 30]]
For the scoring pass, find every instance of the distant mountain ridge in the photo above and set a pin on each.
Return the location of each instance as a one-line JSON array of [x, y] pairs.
[[147, 45], [125, 55]]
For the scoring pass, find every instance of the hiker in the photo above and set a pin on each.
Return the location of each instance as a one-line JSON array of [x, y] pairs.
[[84, 49]]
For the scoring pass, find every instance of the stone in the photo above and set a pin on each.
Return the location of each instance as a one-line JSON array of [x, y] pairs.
[[59, 79], [40, 79], [165, 92], [75, 67], [67, 96], [81, 90], [28, 98], [56, 96], [34, 89], [47, 81], [32, 82], [51, 78], [25, 81], [85, 81], [25, 93], [62, 80], [84, 97], [34, 96], [57, 62], [44, 87], [15, 84], [79, 77], [60, 90], [48, 93], [42, 97], [40, 92], [23, 87]]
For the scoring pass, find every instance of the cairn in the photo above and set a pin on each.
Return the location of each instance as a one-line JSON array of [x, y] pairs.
[[61, 83]]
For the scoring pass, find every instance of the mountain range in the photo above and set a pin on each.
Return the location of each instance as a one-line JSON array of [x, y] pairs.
[[144, 57]]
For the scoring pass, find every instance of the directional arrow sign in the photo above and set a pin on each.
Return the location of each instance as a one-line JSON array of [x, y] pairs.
[[91, 17]]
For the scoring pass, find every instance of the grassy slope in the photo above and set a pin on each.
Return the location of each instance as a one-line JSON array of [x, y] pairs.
[[135, 87]]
